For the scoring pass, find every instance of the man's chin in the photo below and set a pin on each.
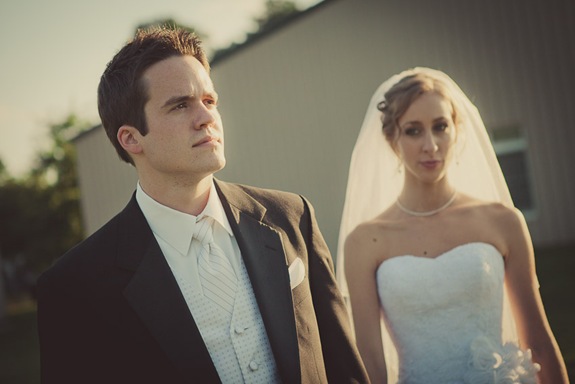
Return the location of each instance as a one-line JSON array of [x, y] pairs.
[[218, 165], [221, 167]]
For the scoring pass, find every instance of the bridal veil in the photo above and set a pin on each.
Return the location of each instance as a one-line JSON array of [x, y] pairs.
[[374, 180]]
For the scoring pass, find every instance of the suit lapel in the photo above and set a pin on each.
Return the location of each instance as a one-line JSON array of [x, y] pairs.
[[155, 296], [264, 258]]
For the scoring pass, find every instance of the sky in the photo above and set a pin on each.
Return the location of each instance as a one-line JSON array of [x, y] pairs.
[[52, 54]]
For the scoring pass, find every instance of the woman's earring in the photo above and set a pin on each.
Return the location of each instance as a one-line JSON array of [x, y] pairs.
[[457, 156]]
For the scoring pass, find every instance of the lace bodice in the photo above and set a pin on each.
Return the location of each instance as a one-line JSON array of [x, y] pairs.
[[445, 315]]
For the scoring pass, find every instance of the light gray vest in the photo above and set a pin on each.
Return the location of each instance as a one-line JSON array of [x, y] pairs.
[[237, 342]]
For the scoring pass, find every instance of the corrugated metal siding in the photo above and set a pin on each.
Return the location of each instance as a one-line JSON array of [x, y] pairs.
[[105, 181], [293, 101]]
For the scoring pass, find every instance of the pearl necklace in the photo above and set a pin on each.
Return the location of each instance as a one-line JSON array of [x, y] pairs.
[[426, 213]]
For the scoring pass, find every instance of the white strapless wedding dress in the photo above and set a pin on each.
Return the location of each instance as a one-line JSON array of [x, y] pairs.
[[445, 316]]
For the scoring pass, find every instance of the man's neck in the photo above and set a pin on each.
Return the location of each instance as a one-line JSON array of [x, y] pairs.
[[189, 198]]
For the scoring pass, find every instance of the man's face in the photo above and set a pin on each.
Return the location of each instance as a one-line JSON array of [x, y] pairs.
[[185, 136]]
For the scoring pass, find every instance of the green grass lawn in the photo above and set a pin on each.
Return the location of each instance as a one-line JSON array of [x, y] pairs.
[[19, 360], [19, 356], [556, 271]]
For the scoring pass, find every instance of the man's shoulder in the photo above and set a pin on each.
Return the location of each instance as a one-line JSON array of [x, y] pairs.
[[267, 195], [281, 207], [89, 255]]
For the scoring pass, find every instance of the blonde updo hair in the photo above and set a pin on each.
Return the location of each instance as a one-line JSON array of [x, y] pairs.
[[399, 97]]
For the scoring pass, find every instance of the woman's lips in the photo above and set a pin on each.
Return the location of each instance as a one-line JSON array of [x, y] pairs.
[[430, 164]]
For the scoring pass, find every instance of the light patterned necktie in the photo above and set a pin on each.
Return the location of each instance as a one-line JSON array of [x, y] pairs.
[[217, 276]]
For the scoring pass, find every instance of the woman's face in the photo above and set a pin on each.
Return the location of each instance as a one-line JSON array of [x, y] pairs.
[[425, 137]]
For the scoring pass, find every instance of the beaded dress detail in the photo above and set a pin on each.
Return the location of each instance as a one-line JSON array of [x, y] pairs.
[[445, 315]]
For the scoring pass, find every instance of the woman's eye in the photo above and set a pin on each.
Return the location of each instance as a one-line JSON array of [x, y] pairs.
[[441, 127], [411, 131], [181, 106]]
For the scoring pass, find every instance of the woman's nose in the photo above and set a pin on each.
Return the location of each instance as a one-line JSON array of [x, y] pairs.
[[429, 143]]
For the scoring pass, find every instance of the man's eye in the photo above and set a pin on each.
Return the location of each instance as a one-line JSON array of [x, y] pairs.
[[180, 106]]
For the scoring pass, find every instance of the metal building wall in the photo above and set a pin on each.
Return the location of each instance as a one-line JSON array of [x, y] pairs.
[[106, 183], [293, 101]]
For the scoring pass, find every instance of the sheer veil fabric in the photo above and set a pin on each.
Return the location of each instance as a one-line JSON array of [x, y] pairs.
[[375, 179]]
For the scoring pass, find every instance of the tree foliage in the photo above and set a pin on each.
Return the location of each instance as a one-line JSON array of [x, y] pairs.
[[40, 213], [275, 13]]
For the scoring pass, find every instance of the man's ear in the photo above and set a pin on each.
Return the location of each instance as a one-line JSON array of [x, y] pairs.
[[128, 137]]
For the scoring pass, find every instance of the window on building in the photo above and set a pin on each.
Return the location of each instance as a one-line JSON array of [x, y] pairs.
[[511, 147]]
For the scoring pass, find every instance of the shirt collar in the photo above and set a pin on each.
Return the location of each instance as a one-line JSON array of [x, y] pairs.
[[175, 227]]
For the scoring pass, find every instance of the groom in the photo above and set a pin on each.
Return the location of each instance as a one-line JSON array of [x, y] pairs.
[[196, 280]]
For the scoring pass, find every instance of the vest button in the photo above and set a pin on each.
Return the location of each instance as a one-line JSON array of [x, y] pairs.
[[239, 329], [254, 365]]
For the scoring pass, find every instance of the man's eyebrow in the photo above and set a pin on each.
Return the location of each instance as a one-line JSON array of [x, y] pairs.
[[179, 99], [176, 100]]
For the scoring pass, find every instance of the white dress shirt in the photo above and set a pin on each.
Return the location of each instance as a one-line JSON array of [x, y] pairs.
[[173, 231]]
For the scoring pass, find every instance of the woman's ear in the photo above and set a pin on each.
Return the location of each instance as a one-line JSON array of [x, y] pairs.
[[393, 142], [128, 137]]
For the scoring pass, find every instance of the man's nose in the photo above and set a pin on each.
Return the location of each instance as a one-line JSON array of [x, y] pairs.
[[205, 117]]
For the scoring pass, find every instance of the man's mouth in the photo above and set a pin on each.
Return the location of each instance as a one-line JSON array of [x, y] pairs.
[[206, 141]]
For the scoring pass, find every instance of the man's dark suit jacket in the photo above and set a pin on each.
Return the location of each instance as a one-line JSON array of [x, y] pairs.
[[110, 310]]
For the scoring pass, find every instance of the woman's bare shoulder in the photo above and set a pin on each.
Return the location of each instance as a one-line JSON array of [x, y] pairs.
[[372, 239], [497, 223], [376, 227], [488, 209]]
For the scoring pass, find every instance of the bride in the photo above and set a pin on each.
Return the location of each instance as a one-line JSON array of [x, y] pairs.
[[439, 265]]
